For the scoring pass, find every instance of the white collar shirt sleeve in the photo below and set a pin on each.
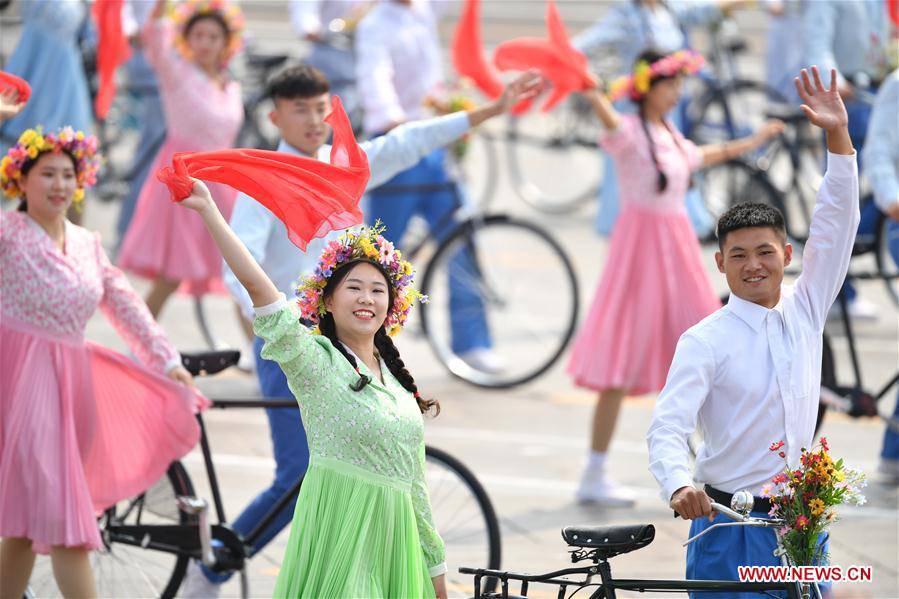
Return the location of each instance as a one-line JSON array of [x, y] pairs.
[[748, 376]]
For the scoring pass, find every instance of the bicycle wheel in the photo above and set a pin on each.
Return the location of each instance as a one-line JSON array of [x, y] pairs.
[[734, 182], [732, 111], [127, 570], [489, 273], [554, 159], [464, 517]]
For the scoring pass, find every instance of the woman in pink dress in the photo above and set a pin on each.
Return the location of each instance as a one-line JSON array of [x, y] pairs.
[[654, 286], [81, 427], [204, 112]]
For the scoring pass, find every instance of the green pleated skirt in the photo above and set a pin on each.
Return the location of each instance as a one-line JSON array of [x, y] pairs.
[[353, 534]]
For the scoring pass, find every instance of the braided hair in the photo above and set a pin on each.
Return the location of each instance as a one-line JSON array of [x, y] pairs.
[[383, 343], [650, 56]]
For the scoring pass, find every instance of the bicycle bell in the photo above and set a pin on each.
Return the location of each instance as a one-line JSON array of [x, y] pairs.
[[742, 502]]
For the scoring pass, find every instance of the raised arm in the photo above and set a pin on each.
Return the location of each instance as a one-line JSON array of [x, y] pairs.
[[825, 258], [260, 288], [713, 154], [603, 108]]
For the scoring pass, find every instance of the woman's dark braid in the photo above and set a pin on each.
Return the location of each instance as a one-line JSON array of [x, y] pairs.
[[329, 329], [391, 355], [663, 178], [681, 148]]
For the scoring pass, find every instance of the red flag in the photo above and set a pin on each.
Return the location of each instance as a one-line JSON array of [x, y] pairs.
[[112, 50], [468, 52], [893, 11], [311, 197], [555, 58], [10, 81]]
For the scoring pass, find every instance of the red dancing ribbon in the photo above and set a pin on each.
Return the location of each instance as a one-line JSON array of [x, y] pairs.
[[893, 11], [113, 49], [468, 52], [555, 58], [311, 197], [10, 81]]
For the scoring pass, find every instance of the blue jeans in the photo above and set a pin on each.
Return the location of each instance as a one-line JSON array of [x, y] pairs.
[[152, 133], [610, 206], [394, 209], [291, 460], [717, 555]]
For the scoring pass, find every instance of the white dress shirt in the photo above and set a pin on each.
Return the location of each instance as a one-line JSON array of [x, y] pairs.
[[749, 376], [397, 62], [266, 236]]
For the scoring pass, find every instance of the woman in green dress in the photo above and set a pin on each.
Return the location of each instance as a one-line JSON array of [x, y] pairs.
[[363, 525]]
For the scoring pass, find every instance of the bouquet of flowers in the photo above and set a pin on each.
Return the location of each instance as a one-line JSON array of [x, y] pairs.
[[805, 497], [448, 101]]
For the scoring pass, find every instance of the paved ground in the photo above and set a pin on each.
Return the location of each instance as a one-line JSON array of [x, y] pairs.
[[528, 445]]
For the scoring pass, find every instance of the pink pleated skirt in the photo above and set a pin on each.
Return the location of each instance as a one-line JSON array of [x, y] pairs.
[[653, 288], [82, 427], [167, 240]]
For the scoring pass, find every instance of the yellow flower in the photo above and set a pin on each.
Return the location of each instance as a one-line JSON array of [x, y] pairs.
[[32, 152], [407, 268], [78, 196], [838, 475], [816, 506], [80, 136], [28, 136], [642, 77]]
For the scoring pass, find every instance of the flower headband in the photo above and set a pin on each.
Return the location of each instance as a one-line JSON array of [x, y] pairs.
[[33, 142], [232, 14], [367, 245], [636, 85]]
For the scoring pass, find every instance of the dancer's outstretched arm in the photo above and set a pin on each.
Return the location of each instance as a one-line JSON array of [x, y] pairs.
[[261, 289], [603, 108]]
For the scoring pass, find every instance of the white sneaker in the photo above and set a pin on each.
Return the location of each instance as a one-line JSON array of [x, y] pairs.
[[195, 584], [890, 470], [598, 489], [247, 362], [484, 359]]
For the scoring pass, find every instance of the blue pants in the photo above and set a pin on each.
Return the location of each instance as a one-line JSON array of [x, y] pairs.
[[610, 206], [890, 449], [291, 460], [152, 133], [394, 209], [717, 555]]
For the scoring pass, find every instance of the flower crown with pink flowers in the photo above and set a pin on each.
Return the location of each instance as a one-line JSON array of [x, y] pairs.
[[637, 84], [32, 143], [229, 11], [366, 245]]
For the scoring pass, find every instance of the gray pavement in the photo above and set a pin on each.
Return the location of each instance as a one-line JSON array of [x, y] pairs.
[[528, 445]]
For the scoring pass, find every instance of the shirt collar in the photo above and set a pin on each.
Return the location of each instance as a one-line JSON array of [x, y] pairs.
[[323, 152], [751, 313]]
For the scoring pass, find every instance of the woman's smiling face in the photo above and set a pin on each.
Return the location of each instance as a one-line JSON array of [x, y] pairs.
[[50, 185], [360, 301]]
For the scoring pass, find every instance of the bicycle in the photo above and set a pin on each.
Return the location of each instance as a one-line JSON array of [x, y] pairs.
[[854, 399], [493, 257], [598, 545], [149, 539]]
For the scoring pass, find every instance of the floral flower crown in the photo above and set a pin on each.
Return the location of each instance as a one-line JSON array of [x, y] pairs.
[[232, 14], [365, 245], [33, 142], [637, 83]]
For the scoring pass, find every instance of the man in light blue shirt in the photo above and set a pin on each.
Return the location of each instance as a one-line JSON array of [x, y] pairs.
[[881, 167], [302, 101]]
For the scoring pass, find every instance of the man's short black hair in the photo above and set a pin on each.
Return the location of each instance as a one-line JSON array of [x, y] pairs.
[[300, 81], [750, 214]]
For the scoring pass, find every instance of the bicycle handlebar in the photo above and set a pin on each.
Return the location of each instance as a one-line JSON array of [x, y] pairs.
[[739, 519]]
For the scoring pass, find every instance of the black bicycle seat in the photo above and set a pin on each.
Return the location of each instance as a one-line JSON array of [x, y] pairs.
[[610, 540], [209, 362], [266, 61]]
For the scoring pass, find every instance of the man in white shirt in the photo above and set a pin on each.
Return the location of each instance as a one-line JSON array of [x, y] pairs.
[[397, 68], [749, 375], [302, 100]]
